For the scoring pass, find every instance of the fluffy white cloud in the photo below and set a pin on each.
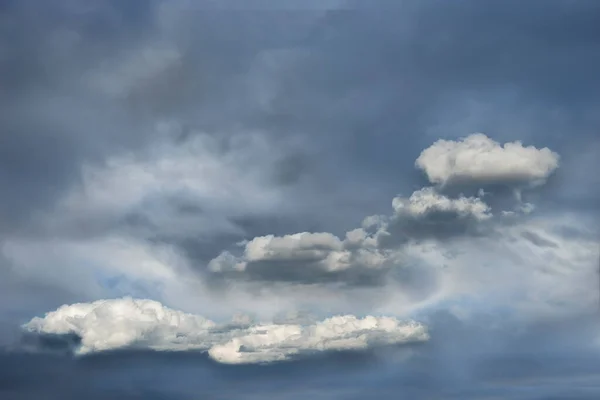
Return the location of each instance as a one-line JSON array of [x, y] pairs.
[[133, 323], [305, 256], [300, 245], [479, 159], [346, 332], [323, 249], [427, 201]]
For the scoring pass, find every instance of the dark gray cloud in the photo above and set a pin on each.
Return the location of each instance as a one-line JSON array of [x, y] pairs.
[[422, 66], [84, 82], [431, 69]]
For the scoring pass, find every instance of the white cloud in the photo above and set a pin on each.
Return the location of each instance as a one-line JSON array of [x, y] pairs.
[[345, 332], [316, 257], [371, 250], [427, 201], [133, 323], [299, 245], [305, 256], [324, 249], [481, 160]]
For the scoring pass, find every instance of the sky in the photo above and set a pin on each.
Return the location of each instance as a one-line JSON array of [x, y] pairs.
[[335, 199]]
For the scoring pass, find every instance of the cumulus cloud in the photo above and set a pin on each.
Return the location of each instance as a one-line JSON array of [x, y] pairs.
[[135, 323], [427, 214], [304, 257], [481, 160], [323, 249], [426, 202], [365, 255]]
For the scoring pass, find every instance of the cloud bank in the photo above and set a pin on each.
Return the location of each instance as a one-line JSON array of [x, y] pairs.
[[366, 255], [431, 248], [145, 324]]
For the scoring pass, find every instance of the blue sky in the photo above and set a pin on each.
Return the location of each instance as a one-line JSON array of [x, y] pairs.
[[337, 199]]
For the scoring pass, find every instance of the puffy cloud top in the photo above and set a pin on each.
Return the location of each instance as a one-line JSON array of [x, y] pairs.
[[304, 256], [479, 159], [113, 324], [124, 323]]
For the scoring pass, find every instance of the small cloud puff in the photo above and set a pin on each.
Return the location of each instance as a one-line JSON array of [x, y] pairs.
[[135, 323], [481, 160]]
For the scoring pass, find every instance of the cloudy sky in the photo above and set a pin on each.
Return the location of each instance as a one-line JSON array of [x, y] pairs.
[[327, 199]]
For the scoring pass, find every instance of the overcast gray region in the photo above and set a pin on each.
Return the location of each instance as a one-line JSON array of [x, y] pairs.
[[257, 169]]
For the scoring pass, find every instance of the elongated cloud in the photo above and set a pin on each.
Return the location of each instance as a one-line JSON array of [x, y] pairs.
[[300, 245], [427, 214], [294, 256], [481, 160], [427, 202], [363, 255], [134, 323]]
